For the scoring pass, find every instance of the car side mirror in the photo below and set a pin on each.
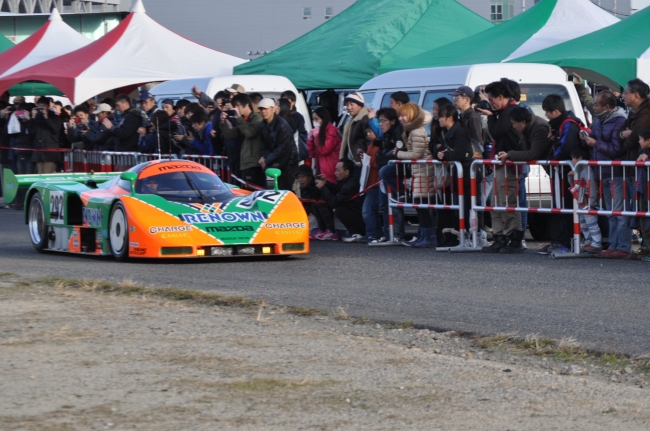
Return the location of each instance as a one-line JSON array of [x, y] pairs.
[[131, 177], [275, 174]]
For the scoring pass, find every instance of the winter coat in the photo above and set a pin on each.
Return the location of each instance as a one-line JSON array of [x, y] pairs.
[[202, 142], [22, 140], [636, 120], [75, 135], [339, 195], [149, 143], [609, 145], [280, 148], [354, 136], [373, 173], [126, 132], [97, 136], [46, 136], [567, 138], [299, 122], [506, 138], [459, 146], [248, 130], [535, 143], [388, 142], [327, 155], [472, 121], [417, 148]]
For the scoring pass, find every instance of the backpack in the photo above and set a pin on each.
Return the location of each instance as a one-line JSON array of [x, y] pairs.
[[581, 126]]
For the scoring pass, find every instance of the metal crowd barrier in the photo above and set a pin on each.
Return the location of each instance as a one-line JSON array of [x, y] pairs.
[[548, 193], [446, 193], [218, 164]]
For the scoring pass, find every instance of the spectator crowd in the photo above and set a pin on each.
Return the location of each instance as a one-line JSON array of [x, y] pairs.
[[330, 165]]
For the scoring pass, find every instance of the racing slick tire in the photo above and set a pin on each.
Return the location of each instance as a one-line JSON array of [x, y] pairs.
[[118, 233], [36, 223]]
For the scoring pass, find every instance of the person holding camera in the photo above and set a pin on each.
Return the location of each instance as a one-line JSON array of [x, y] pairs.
[[126, 132], [95, 137], [79, 125], [245, 125], [46, 128], [340, 198]]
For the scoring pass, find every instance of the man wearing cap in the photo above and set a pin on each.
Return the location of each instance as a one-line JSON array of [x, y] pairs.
[[354, 132], [280, 149], [463, 97], [95, 137], [322, 212], [148, 105], [247, 127]]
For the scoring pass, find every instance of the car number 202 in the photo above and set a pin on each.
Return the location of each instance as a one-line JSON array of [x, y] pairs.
[[56, 207]]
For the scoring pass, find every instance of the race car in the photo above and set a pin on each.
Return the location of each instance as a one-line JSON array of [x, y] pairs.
[[159, 209]]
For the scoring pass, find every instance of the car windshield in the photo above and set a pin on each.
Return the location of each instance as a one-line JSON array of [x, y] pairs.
[[185, 187]]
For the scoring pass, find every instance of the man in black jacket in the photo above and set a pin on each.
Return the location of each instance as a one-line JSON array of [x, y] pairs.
[[126, 132], [46, 127], [338, 196], [296, 116], [506, 226], [279, 149]]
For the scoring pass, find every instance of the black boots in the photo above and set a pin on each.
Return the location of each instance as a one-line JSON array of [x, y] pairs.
[[515, 245], [500, 242]]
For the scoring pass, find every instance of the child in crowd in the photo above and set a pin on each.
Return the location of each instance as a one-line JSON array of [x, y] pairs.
[[371, 216], [585, 190]]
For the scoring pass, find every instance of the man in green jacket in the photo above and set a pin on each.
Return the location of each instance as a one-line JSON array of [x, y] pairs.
[[247, 125]]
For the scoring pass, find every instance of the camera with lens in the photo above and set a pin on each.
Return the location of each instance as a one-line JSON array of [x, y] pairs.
[[483, 104]]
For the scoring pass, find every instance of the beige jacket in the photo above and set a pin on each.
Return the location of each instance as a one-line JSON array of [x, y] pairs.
[[417, 148]]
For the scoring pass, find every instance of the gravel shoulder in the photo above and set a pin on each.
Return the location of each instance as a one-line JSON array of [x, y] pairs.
[[79, 359]]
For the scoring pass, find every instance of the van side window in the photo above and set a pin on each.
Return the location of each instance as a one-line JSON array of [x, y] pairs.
[[414, 96], [532, 96]]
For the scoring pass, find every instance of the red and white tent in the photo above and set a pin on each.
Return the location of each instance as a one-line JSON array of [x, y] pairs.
[[53, 39], [137, 51]]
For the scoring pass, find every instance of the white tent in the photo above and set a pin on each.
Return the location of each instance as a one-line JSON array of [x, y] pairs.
[[44, 44], [137, 51]]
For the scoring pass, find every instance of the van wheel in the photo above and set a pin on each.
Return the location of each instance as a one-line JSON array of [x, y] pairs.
[[540, 226]]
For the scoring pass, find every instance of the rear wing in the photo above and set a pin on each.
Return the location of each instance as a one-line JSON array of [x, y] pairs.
[[12, 182]]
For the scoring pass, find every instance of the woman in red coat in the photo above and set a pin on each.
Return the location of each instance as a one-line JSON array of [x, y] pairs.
[[324, 144]]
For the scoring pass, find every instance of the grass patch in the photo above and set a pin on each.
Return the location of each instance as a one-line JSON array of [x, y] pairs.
[[400, 325], [360, 320], [129, 288], [269, 385], [305, 311], [566, 349], [6, 274]]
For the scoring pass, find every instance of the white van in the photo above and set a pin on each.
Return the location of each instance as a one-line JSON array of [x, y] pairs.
[[537, 81], [267, 85]]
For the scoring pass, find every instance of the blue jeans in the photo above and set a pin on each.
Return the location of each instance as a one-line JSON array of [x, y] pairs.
[[388, 175], [370, 213], [620, 234]]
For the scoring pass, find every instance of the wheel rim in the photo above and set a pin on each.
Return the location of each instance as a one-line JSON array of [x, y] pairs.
[[118, 231], [36, 220]]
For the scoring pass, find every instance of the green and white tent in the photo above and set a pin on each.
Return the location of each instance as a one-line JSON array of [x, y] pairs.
[[347, 50], [546, 24], [611, 56]]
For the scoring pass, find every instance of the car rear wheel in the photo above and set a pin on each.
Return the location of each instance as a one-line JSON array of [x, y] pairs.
[[36, 222], [118, 237]]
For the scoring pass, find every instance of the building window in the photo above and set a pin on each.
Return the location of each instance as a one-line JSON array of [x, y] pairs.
[[496, 12], [306, 13], [329, 12]]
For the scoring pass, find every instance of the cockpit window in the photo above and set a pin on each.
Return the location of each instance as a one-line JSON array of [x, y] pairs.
[[185, 187]]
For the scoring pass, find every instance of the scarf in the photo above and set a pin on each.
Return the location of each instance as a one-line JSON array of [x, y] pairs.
[[603, 116]]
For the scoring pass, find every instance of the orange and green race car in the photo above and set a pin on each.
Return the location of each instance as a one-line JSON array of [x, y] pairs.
[[159, 209]]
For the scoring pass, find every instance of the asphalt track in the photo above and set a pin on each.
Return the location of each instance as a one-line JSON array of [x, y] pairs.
[[603, 304]]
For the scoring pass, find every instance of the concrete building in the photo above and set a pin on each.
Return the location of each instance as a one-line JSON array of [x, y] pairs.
[[64, 6]]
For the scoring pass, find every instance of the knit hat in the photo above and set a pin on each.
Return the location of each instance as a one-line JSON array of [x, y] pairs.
[[303, 169], [355, 97]]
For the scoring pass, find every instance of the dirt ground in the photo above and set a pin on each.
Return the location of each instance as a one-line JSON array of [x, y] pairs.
[[80, 360]]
